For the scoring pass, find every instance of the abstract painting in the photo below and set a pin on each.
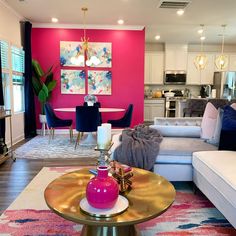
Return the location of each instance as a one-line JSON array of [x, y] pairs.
[[99, 82], [71, 53], [73, 81], [99, 55]]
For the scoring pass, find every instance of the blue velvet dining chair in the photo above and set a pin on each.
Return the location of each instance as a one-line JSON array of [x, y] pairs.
[[87, 120], [125, 121], [96, 104], [54, 122]]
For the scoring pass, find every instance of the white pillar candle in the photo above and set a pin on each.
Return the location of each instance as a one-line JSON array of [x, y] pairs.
[[108, 127], [102, 137]]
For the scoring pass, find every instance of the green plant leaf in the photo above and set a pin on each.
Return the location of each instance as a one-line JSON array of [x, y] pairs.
[[45, 89], [37, 86], [42, 96], [37, 69], [49, 78], [51, 85]]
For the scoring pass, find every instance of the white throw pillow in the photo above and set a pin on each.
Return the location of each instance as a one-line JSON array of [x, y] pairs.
[[209, 121]]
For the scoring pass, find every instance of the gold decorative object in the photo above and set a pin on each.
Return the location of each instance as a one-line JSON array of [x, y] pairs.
[[222, 60], [201, 59], [85, 39], [122, 176]]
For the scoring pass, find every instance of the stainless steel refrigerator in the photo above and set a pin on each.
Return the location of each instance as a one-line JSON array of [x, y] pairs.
[[225, 84]]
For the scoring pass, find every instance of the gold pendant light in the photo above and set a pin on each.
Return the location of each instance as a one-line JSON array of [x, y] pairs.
[[84, 39], [201, 59], [222, 61]]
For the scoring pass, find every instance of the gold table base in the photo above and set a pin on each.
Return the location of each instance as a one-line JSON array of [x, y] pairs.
[[89, 230]]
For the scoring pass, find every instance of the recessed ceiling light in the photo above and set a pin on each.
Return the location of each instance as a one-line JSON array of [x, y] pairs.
[[157, 37], [54, 20], [120, 22], [202, 37], [180, 12]]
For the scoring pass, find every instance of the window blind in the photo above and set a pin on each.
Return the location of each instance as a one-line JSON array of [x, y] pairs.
[[4, 54], [18, 59]]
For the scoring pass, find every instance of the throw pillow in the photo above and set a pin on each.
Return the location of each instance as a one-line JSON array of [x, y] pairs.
[[228, 131], [208, 121], [216, 136], [233, 105]]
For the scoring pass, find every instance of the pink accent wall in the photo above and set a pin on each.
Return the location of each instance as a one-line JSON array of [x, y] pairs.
[[127, 68]]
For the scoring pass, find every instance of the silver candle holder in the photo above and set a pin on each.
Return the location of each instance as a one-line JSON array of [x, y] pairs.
[[104, 157]]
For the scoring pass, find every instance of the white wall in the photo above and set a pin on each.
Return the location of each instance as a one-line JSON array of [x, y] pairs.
[[10, 31]]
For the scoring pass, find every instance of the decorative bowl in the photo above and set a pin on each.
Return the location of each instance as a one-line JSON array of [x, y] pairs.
[[169, 94]]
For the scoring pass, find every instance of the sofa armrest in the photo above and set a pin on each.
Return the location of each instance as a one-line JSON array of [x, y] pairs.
[[178, 127]]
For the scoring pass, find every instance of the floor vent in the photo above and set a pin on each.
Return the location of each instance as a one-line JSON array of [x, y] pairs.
[[174, 4]]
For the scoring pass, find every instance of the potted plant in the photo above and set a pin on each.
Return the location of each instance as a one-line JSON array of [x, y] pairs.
[[43, 85]]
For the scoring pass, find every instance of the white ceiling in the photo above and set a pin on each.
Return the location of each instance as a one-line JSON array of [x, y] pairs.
[[165, 22]]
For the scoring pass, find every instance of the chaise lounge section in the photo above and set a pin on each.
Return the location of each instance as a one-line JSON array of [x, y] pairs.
[[214, 173]]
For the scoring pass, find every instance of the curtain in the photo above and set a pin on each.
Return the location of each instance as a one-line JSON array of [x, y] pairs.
[[2, 121], [30, 120]]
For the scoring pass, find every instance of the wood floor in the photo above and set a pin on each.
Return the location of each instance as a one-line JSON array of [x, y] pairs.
[[15, 176]]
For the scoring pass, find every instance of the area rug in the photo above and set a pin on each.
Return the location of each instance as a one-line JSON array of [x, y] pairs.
[[191, 214], [59, 147]]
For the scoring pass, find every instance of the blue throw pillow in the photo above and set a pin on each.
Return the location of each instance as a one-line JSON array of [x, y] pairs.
[[229, 119], [228, 131]]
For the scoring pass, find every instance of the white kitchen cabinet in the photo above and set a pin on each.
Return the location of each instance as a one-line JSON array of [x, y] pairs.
[[154, 67], [176, 57], [154, 108], [232, 62], [198, 77]]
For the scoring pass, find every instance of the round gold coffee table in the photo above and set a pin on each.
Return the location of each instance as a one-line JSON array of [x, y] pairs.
[[151, 195]]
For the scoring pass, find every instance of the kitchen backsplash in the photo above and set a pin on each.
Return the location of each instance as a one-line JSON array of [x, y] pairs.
[[193, 89]]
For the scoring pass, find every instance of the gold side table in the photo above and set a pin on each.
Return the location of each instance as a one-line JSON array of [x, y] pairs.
[[151, 195]]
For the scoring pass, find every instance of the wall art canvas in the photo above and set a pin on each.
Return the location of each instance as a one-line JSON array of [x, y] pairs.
[[99, 55], [71, 53], [99, 82], [73, 81]]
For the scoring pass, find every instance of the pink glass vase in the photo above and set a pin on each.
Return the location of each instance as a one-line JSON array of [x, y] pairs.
[[102, 191]]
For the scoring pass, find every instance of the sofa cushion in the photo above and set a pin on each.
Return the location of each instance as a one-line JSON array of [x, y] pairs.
[[209, 121], [228, 131], [218, 167], [179, 150], [178, 130]]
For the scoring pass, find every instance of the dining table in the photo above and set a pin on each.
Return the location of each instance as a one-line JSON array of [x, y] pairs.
[[101, 109], [90, 140]]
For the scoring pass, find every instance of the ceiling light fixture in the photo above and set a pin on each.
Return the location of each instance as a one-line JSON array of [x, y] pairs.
[[120, 22], [157, 37], [200, 31], [84, 39], [201, 60], [54, 20], [222, 60], [180, 12]]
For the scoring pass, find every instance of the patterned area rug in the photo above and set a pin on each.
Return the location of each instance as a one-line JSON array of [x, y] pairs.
[[60, 147], [189, 215]]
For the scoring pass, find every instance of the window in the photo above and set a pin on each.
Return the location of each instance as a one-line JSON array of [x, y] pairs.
[[13, 77], [5, 73], [17, 63]]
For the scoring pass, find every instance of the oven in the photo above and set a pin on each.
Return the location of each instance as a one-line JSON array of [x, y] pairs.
[[171, 107]]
